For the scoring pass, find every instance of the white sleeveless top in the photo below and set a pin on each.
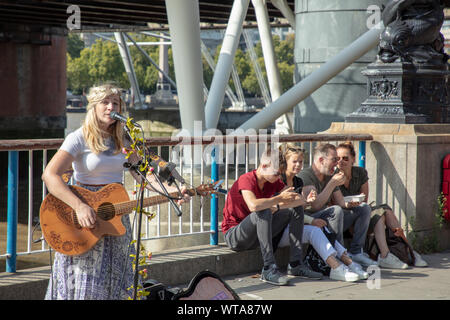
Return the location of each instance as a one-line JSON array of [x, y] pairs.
[[91, 168]]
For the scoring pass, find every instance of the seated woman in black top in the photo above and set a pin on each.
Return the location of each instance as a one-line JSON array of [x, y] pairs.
[[357, 183]]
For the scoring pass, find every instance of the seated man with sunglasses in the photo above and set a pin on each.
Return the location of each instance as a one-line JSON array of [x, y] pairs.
[[259, 207], [321, 177]]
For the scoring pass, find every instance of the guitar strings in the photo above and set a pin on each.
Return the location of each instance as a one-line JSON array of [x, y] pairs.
[[157, 200], [121, 208]]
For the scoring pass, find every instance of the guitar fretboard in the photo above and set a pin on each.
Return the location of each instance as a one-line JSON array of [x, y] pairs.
[[127, 207]]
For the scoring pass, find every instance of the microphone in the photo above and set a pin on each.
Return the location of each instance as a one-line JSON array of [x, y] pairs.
[[117, 116], [166, 169]]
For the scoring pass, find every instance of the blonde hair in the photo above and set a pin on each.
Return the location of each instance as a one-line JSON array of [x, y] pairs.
[[286, 149], [93, 134]]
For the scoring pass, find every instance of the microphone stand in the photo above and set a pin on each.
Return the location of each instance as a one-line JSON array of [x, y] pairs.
[[170, 179], [139, 209], [163, 188], [138, 249], [144, 180]]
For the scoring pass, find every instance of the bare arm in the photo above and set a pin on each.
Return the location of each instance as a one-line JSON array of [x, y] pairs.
[[365, 189], [286, 199], [322, 198], [310, 193], [338, 199], [52, 177]]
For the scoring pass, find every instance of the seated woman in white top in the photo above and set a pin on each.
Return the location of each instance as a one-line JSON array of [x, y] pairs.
[[342, 266]]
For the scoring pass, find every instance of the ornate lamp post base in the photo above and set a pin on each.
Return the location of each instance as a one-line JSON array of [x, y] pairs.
[[404, 92]]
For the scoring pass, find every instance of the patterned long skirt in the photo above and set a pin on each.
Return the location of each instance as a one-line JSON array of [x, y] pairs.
[[103, 273]]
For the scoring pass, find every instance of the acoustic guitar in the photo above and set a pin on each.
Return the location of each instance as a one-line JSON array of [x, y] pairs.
[[64, 234]]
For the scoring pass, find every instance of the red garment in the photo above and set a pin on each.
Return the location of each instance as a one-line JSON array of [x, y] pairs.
[[236, 209]]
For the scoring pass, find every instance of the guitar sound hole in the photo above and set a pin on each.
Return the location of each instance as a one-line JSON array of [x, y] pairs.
[[106, 211]]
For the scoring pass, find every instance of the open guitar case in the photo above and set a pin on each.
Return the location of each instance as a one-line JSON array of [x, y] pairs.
[[206, 285]]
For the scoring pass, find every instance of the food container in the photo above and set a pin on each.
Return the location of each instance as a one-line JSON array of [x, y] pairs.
[[355, 198]]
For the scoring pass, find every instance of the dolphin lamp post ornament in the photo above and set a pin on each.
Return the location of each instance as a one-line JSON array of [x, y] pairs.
[[408, 81], [413, 32]]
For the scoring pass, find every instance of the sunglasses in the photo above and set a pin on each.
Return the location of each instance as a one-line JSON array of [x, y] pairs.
[[294, 149], [346, 158]]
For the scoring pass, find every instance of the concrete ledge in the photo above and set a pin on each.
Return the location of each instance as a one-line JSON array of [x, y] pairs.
[[180, 266], [170, 267], [389, 128], [28, 284]]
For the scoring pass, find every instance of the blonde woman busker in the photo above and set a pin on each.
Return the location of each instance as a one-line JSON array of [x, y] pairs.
[[94, 151]]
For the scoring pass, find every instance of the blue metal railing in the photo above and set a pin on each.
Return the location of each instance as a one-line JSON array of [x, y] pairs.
[[214, 237], [362, 154], [13, 196]]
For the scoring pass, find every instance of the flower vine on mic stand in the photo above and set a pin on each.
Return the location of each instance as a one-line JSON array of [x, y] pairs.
[[136, 135]]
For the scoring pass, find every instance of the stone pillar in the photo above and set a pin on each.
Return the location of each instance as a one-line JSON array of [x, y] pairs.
[[32, 84], [404, 163], [323, 29]]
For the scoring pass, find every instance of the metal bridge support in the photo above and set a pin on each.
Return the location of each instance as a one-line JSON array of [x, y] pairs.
[[282, 124], [224, 64], [129, 68], [315, 80], [285, 10], [184, 25], [210, 60]]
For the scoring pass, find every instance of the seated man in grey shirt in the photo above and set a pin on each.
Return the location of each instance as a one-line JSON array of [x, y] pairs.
[[340, 217]]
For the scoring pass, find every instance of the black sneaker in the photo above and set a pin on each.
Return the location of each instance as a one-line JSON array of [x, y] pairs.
[[303, 271], [273, 276]]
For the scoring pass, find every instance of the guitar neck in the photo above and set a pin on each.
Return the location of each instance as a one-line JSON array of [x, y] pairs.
[[127, 207]]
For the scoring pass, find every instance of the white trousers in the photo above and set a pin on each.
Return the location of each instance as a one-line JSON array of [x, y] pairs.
[[314, 236]]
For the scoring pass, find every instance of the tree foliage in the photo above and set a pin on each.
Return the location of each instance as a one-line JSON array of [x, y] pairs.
[[74, 45], [102, 63]]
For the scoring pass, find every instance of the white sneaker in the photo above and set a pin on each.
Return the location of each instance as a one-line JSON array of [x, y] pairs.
[[343, 273], [419, 262], [363, 259], [391, 262], [356, 268]]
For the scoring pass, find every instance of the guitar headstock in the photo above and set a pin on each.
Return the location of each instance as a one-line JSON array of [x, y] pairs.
[[208, 188]]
